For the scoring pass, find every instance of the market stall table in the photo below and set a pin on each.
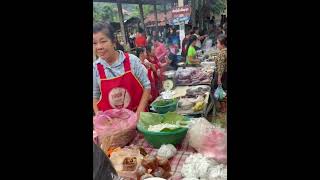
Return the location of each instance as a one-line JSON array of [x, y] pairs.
[[183, 151], [181, 91]]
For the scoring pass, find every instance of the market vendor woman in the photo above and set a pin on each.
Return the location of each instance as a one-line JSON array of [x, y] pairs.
[[119, 79], [191, 51]]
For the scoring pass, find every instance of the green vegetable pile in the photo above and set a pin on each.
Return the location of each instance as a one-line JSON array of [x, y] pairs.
[[147, 119], [164, 102]]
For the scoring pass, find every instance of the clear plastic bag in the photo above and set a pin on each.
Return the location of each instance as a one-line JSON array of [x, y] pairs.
[[199, 127], [208, 140], [117, 158], [220, 94]]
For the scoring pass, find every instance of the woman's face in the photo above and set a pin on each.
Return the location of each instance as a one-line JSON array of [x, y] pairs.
[[152, 51], [143, 55], [156, 44], [103, 45], [194, 43], [219, 45]]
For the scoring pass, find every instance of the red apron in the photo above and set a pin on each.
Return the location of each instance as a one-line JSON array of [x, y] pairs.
[[124, 91], [155, 75], [154, 92]]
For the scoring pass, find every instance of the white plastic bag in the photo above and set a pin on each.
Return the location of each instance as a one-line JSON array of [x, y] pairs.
[[167, 151]]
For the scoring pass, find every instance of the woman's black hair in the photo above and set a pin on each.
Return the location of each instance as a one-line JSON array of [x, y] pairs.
[[191, 32], [222, 39], [174, 31], [195, 28], [156, 39], [149, 48], [106, 29], [139, 50], [119, 46], [140, 30], [192, 38]]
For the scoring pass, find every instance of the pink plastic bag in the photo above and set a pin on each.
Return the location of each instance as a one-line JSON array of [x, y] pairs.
[[112, 121], [214, 145], [208, 140]]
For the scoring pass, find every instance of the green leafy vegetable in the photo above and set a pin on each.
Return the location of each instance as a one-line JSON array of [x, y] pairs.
[[172, 118], [164, 102], [147, 119]]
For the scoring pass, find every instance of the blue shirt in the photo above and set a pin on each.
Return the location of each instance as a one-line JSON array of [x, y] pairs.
[[117, 69], [174, 39]]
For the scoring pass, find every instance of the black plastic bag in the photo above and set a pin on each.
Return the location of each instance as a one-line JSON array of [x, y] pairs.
[[102, 166]]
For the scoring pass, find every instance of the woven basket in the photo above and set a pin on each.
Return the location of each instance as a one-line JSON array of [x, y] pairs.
[[119, 139]]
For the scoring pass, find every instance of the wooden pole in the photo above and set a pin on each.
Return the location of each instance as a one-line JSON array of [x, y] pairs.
[[121, 22], [200, 14], [193, 13], [141, 15], [165, 14], [181, 26], [156, 16]]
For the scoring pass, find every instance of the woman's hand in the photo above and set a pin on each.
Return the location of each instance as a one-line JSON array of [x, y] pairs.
[[139, 110], [143, 102], [219, 81], [158, 72], [95, 106], [147, 63]]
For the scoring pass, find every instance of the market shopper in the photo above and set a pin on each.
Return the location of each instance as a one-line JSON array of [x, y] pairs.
[[153, 36], [119, 46], [153, 58], [210, 40], [151, 70], [221, 71], [119, 79], [224, 29], [131, 39], [173, 55], [185, 43], [161, 67], [141, 39], [198, 44], [191, 51], [173, 37], [161, 51]]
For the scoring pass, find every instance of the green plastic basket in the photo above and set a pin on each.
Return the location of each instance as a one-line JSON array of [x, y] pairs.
[[156, 139], [166, 108]]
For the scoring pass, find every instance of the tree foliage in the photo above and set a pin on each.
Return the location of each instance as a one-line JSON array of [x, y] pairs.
[[104, 12], [218, 6]]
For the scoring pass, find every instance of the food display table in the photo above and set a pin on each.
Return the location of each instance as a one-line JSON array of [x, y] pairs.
[[181, 91], [183, 151]]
